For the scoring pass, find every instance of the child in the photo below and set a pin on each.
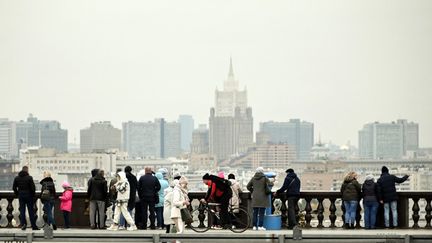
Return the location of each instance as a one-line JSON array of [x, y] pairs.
[[66, 203]]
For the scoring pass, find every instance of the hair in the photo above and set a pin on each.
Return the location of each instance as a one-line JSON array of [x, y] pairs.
[[231, 176], [128, 169], [46, 174], [101, 173], [148, 170], [206, 176], [25, 168], [351, 176], [384, 169], [290, 170], [118, 170]]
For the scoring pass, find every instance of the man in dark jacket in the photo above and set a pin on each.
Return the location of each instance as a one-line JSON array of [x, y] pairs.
[[133, 184], [292, 187], [219, 191], [98, 193], [24, 188], [389, 195], [148, 187]]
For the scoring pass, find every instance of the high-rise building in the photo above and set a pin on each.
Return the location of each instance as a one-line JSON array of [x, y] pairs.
[[8, 147], [187, 127], [388, 140], [46, 134], [200, 140], [231, 122], [100, 136], [298, 133], [171, 142], [158, 139]]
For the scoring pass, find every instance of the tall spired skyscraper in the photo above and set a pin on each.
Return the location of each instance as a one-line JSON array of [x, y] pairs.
[[231, 122]]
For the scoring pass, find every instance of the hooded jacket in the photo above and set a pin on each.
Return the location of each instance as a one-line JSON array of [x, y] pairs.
[[351, 190], [164, 185], [48, 184], [371, 191], [123, 188], [291, 185], [97, 188], [257, 186], [24, 183], [66, 198], [388, 188]]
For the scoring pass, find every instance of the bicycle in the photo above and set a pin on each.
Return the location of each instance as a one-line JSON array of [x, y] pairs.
[[204, 215]]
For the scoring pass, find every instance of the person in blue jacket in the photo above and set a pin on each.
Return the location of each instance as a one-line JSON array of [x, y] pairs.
[[159, 206], [292, 187]]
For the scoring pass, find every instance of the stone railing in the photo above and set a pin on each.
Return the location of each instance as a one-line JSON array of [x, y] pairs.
[[316, 209]]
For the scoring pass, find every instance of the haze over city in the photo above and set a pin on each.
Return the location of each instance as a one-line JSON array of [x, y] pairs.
[[336, 67]]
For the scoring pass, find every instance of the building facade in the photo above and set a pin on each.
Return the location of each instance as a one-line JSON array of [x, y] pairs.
[[200, 140], [388, 140], [231, 121], [294, 132], [157, 139], [187, 126], [43, 133], [100, 136]]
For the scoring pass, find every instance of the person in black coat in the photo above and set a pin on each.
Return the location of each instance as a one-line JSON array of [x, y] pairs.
[[48, 200], [148, 187], [97, 192], [371, 193], [24, 188], [292, 187], [387, 184]]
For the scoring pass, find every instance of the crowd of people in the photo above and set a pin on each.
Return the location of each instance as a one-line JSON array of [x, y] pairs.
[[150, 199]]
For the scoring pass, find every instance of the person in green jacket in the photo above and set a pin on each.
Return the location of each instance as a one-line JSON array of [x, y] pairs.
[[351, 194]]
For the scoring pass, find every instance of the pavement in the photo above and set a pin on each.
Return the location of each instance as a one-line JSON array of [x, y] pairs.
[[250, 236]]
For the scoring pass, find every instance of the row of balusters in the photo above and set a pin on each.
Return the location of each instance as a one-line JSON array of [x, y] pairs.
[[284, 212]]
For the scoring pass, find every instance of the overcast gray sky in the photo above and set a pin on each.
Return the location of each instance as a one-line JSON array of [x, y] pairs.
[[339, 64]]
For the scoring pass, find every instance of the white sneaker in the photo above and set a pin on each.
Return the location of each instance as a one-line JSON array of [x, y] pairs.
[[254, 228], [113, 227], [121, 227], [261, 228], [132, 228]]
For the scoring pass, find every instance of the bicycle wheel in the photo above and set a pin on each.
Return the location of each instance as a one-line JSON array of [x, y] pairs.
[[201, 219], [240, 220]]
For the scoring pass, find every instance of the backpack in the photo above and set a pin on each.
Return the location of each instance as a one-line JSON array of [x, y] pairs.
[[46, 191], [222, 184]]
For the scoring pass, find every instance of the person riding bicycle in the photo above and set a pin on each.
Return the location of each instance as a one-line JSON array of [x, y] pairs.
[[219, 191]]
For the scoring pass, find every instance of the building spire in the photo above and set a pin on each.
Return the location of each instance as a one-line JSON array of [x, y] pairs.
[[231, 70]]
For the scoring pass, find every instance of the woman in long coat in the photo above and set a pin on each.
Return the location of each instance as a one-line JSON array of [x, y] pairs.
[[259, 188]]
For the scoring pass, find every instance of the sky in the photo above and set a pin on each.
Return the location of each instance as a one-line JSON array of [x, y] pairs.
[[338, 64]]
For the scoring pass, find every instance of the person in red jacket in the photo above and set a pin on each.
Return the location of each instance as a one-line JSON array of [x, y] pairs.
[[219, 191], [66, 203]]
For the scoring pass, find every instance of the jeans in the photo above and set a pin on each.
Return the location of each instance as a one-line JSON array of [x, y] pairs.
[[48, 209], [25, 199], [150, 206], [370, 212], [292, 204], [159, 216], [393, 206], [258, 217], [66, 217], [350, 212], [98, 206]]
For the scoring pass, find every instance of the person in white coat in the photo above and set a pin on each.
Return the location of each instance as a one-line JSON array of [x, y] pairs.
[[168, 205], [236, 190], [123, 190], [180, 201]]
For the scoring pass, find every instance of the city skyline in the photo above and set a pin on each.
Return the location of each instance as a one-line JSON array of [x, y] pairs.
[[339, 69]]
